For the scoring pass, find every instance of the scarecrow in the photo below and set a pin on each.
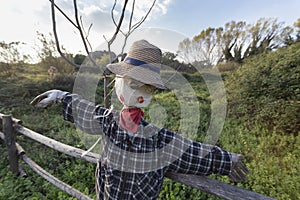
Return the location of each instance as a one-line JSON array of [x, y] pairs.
[[135, 154]]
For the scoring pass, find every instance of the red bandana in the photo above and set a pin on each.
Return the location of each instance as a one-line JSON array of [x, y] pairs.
[[130, 118]]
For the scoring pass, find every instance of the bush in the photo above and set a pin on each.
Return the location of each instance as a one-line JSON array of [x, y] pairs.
[[262, 94], [228, 66], [272, 158], [266, 88]]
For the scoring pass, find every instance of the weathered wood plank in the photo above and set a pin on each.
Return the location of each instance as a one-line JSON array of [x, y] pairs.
[[61, 185], [10, 140], [217, 188], [17, 121], [2, 137], [61, 147]]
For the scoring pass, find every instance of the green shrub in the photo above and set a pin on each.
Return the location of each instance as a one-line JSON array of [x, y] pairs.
[[271, 156], [267, 88], [229, 66], [262, 94]]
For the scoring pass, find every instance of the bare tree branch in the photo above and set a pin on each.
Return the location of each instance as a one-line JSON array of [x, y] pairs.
[[112, 13], [79, 27], [84, 40], [109, 43], [119, 24], [56, 37], [66, 16], [131, 16], [135, 26], [86, 33]]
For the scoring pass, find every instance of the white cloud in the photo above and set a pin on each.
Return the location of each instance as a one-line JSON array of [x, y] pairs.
[[21, 19], [163, 6], [100, 18], [142, 7]]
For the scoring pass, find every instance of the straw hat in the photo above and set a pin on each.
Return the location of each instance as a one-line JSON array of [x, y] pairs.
[[142, 63]]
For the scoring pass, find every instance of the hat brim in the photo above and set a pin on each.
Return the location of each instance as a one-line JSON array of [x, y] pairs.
[[138, 73]]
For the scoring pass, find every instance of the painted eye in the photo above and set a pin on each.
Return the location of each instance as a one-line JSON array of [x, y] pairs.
[[140, 99]]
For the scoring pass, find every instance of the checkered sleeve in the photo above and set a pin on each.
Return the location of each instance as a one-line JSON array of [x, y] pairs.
[[192, 157], [86, 116]]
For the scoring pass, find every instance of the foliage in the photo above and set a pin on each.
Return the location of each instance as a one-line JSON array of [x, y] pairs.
[[10, 52], [271, 156], [176, 191], [79, 58], [236, 41], [297, 26], [49, 56], [228, 66], [169, 59], [266, 88], [267, 137]]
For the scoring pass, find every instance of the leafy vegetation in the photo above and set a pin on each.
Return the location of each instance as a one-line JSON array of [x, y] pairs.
[[268, 92], [262, 124], [236, 41]]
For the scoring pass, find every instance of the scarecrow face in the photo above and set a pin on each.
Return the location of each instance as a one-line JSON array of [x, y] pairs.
[[133, 93]]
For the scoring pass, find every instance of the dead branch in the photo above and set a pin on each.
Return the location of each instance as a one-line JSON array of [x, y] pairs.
[[136, 25], [86, 33], [78, 25], [56, 37], [118, 27], [83, 38], [64, 14], [113, 16]]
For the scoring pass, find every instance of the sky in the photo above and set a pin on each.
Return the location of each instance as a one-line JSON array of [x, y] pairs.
[[169, 22]]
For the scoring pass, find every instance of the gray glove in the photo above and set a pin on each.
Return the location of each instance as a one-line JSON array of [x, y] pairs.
[[48, 98], [239, 171]]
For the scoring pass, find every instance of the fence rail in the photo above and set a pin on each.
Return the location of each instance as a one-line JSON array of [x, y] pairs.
[[11, 126]]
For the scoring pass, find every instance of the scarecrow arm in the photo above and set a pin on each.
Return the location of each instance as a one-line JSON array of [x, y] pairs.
[[86, 116], [204, 159]]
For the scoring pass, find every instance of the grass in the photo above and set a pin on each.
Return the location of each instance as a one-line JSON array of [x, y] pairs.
[[271, 154]]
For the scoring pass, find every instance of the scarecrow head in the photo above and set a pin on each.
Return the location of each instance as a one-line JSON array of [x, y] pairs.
[[138, 74]]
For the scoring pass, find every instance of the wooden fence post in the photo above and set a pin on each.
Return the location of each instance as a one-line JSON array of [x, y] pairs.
[[10, 140]]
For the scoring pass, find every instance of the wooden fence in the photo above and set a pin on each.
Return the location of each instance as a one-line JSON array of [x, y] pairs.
[[12, 126]]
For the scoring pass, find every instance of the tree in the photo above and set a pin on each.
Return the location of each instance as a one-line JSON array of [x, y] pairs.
[[10, 53], [263, 36], [290, 35], [170, 59], [232, 40], [235, 41], [202, 48], [185, 50], [79, 58], [287, 36], [49, 55], [297, 26], [207, 43]]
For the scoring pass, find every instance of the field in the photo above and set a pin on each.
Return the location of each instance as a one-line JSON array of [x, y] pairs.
[[262, 123]]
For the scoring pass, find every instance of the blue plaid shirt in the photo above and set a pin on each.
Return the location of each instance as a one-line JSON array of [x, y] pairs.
[[133, 166]]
